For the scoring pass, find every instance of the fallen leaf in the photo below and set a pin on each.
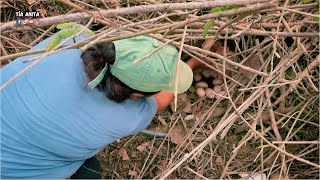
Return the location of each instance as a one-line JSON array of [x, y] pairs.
[[216, 47], [200, 172], [183, 103], [123, 153], [26, 38], [112, 153], [219, 161], [177, 134], [153, 150], [207, 73], [219, 49], [217, 112], [305, 1], [197, 107], [242, 128], [265, 117], [189, 117], [254, 176], [42, 12], [271, 159], [245, 150], [125, 165], [134, 154], [142, 147], [254, 63], [31, 1], [114, 3], [133, 173], [277, 176], [162, 168]]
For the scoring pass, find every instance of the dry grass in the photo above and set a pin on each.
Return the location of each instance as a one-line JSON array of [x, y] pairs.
[[270, 114]]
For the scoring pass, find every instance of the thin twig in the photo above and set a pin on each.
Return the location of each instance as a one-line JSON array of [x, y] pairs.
[[176, 81], [154, 51]]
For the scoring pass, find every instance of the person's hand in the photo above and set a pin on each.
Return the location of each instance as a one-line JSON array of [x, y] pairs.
[[163, 99], [194, 63], [208, 43]]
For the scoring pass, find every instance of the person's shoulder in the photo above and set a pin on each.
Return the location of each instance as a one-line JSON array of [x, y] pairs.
[[69, 52], [67, 56]]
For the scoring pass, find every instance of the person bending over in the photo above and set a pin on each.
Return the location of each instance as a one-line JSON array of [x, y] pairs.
[[71, 105]]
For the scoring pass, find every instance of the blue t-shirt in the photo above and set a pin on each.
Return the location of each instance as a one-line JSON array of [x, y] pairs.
[[51, 122]]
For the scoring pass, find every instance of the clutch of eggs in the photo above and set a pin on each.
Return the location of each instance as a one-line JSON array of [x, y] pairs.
[[203, 88]]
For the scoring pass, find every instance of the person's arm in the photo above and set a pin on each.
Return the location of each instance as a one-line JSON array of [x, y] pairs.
[[206, 45], [164, 98]]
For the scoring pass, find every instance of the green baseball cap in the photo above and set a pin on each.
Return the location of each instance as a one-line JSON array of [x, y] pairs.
[[152, 74]]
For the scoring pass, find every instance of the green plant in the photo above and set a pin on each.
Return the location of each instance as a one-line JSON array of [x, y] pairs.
[[211, 22]]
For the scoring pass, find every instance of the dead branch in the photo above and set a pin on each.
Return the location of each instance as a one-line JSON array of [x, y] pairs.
[[125, 11]]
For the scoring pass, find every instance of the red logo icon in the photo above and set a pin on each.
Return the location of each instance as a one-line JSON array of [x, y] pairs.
[[30, 21]]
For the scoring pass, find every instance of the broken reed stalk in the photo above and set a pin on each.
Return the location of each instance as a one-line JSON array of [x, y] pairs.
[[176, 81], [178, 24], [212, 136], [126, 11]]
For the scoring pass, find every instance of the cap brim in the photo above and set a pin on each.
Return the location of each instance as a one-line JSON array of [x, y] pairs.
[[185, 78]]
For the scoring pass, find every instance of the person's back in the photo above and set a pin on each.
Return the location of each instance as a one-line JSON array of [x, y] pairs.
[[51, 122], [56, 116]]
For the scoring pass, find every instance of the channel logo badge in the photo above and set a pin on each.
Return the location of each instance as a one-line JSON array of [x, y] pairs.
[[28, 21]]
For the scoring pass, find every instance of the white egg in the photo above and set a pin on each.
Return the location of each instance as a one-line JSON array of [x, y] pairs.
[[219, 95], [217, 89], [197, 77], [201, 92], [217, 82], [202, 84], [210, 93]]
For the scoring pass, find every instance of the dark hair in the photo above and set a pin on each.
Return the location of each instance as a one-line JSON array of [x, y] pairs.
[[94, 60]]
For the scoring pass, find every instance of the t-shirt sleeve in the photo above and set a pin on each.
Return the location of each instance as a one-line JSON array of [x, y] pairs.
[[147, 114]]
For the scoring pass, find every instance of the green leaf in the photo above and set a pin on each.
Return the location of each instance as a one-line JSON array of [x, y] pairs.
[[220, 9], [53, 42], [60, 4], [66, 25], [207, 26], [216, 9], [305, 1], [317, 19], [67, 33], [85, 31], [58, 37], [230, 8]]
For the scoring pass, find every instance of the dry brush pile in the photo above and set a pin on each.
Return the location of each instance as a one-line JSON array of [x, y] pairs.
[[253, 110]]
